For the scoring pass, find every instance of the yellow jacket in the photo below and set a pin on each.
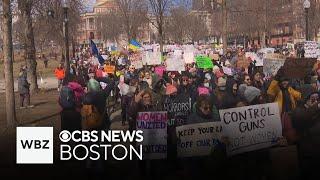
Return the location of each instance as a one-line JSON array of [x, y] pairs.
[[275, 93]]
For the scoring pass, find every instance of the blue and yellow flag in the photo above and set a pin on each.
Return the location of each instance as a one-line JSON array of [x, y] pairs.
[[134, 45]]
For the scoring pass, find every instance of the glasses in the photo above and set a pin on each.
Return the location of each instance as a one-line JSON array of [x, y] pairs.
[[248, 79]]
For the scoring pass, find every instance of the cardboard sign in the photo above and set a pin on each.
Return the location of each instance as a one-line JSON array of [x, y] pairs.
[[298, 67], [178, 108], [109, 69], [311, 49], [154, 127], [204, 62], [251, 128], [198, 139]]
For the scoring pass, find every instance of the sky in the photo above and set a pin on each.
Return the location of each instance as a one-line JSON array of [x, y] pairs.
[[89, 4]]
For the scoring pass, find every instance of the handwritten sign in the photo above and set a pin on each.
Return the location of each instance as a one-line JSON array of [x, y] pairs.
[[198, 139], [271, 64], [175, 63], [255, 57], [188, 57], [178, 108], [136, 60], [109, 69], [204, 62], [251, 128], [151, 58], [154, 127], [311, 49]]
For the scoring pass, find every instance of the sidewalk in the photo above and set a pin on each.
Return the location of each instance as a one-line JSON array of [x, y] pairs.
[[46, 83]]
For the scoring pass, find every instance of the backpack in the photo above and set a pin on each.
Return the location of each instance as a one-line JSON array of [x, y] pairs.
[[91, 117], [67, 98]]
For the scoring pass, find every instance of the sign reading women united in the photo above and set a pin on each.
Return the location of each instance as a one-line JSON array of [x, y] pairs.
[[251, 128], [154, 127], [198, 139]]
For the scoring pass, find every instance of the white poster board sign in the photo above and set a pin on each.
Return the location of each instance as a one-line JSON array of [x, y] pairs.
[[311, 49], [175, 63], [251, 128], [151, 58], [154, 127], [188, 57], [198, 139]]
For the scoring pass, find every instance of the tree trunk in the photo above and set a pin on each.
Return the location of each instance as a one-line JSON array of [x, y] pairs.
[[26, 6], [8, 64], [224, 26]]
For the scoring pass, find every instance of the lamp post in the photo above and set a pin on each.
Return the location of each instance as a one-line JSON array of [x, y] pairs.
[[65, 4], [306, 6]]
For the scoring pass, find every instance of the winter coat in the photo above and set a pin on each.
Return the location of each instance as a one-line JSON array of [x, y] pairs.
[[199, 117], [23, 85], [307, 123], [275, 92]]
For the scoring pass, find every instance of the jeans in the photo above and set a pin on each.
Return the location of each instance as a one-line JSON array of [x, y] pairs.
[[24, 97]]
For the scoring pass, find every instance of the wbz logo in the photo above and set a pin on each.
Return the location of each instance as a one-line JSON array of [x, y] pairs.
[[34, 145]]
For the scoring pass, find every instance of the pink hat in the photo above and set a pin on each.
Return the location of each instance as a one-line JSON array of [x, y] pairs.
[[171, 89], [203, 91]]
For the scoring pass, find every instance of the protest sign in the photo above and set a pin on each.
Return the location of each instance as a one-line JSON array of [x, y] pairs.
[[251, 128], [254, 57], [136, 60], [151, 58], [272, 63], [154, 127], [311, 49], [198, 139], [109, 69], [204, 62], [298, 67], [178, 108], [188, 57], [175, 63]]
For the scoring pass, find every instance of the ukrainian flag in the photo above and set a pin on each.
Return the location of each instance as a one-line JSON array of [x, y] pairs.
[[134, 45]]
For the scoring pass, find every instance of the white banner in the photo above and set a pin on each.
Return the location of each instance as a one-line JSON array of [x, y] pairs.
[[175, 63], [251, 128]]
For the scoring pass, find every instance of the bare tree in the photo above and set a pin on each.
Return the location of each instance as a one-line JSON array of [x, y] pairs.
[[177, 24], [133, 16], [8, 64], [196, 28], [109, 27], [25, 7], [159, 9]]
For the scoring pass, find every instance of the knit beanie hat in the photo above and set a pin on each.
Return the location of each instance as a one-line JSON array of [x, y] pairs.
[[251, 93], [93, 85], [171, 89], [242, 88]]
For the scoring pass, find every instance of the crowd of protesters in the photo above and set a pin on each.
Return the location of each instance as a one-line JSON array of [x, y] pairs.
[[83, 95]]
